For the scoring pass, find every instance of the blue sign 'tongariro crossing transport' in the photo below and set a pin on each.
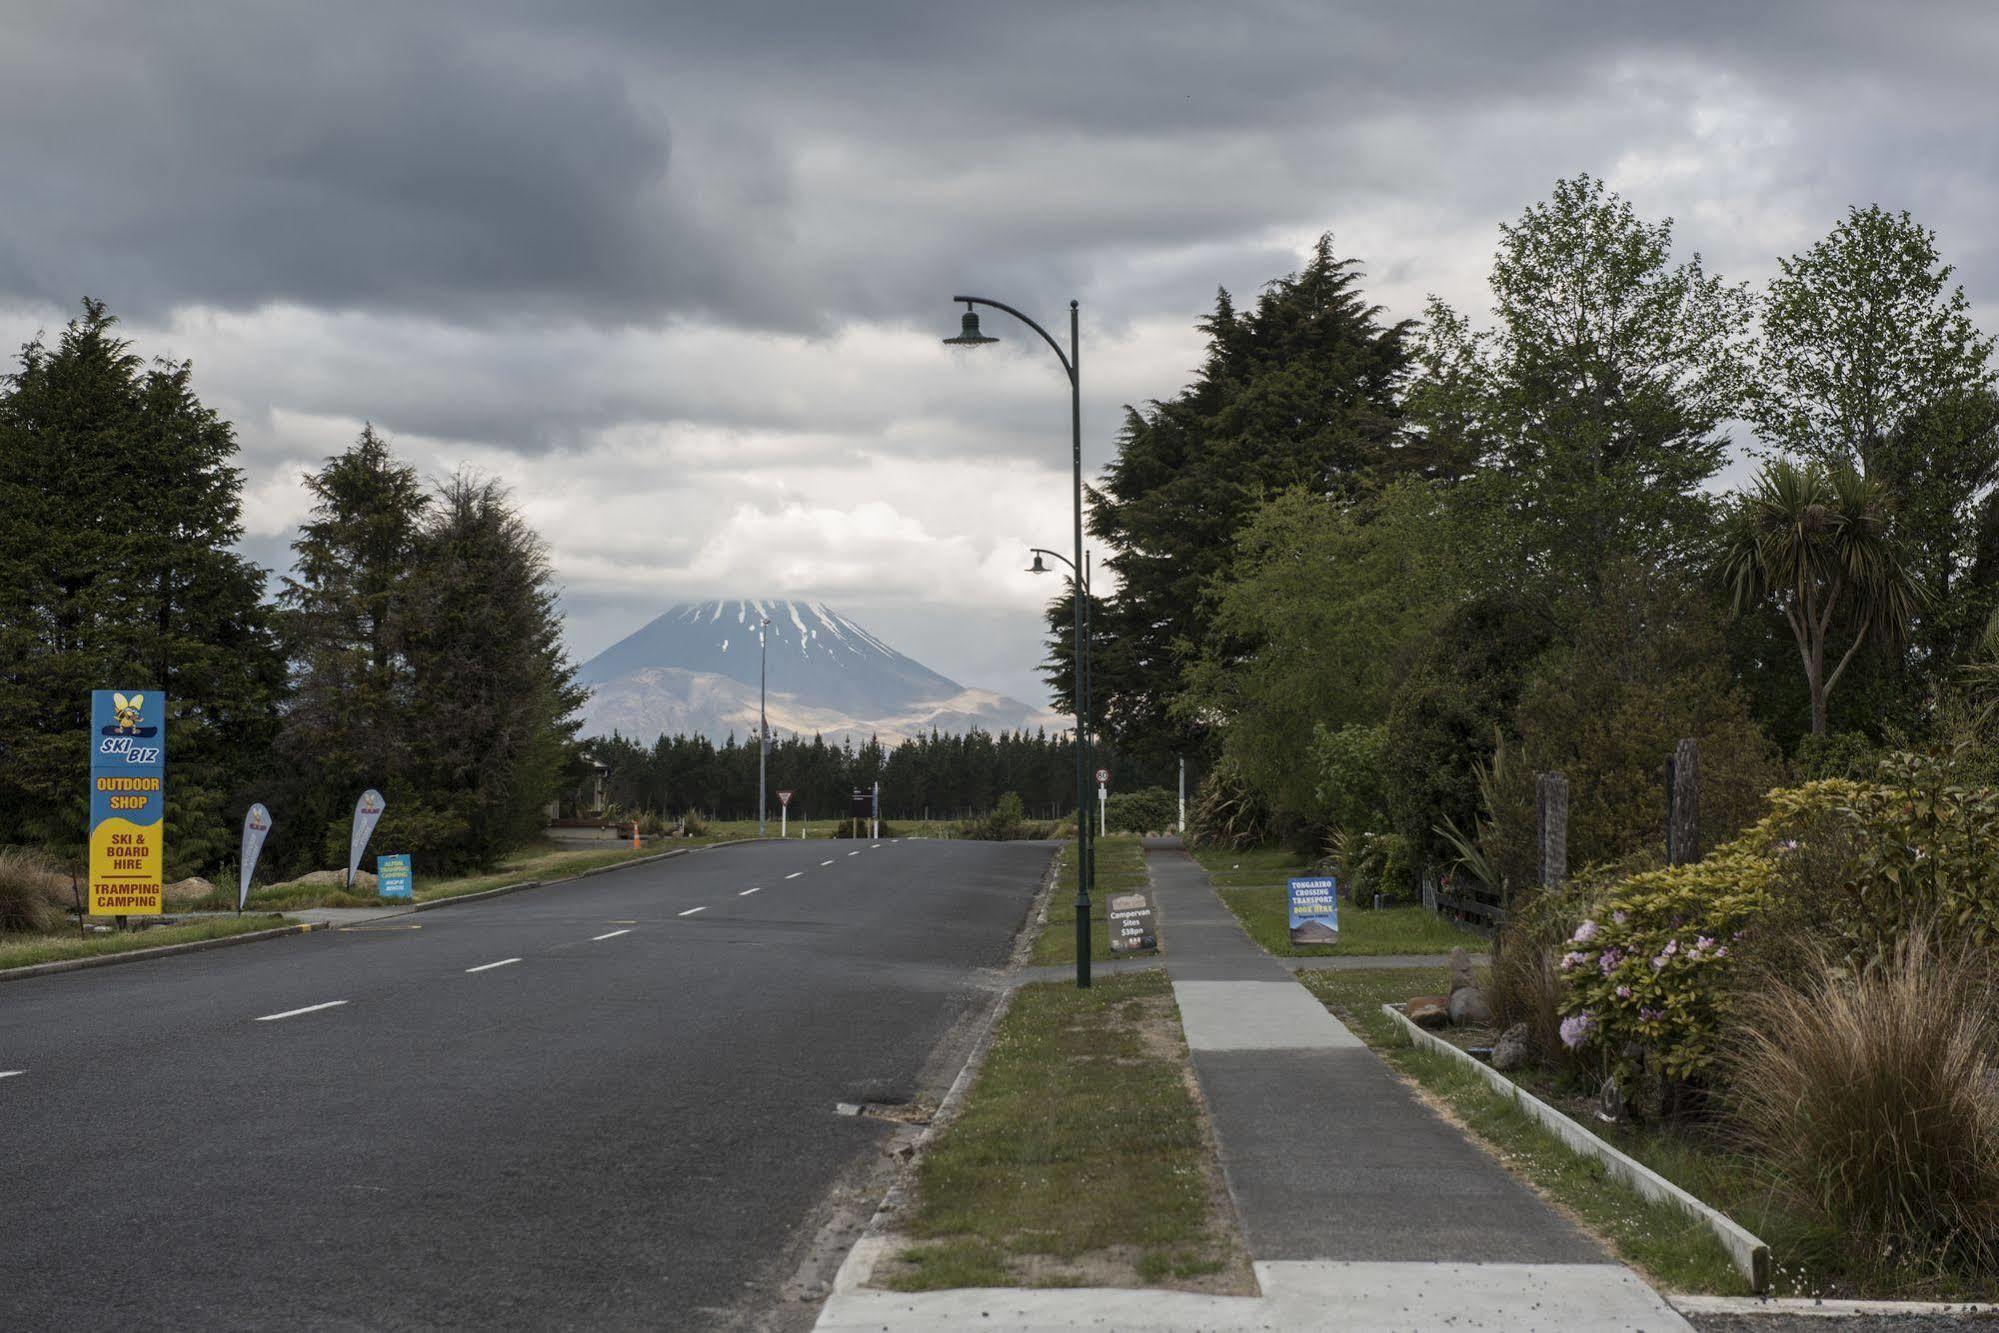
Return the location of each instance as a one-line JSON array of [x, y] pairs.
[[1315, 910]]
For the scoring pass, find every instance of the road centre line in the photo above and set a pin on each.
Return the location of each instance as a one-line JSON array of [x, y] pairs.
[[611, 936], [692, 910], [747, 892], [484, 967], [825, 863], [794, 874], [12, 1073], [294, 1013], [855, 852], [873, 846]]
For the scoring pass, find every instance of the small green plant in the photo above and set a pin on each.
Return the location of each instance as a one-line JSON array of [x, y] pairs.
[[1149, 810]]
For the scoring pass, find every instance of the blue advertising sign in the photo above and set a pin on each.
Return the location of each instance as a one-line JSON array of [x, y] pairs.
[[393, 877], [128, 802], [1315, 910]]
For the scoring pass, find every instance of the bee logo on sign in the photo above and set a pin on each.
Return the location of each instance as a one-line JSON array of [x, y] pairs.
[[128, 803]]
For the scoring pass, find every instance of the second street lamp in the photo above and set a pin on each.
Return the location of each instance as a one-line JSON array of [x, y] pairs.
[[1084, 711], [970, 336]]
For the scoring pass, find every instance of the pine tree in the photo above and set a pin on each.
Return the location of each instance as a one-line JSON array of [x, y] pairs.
[[493, 697], [1300, 391], [119, 506], [345, 613]]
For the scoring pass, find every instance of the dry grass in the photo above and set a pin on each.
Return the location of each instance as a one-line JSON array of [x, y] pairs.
[[1874, 1102], [32, 893]]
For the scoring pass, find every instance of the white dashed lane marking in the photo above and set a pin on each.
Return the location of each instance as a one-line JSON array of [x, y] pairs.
[[825, 863], [747, 892], [795, 874], [294, 1013], [692, 910], [484, 967], [610, 936], [12, 1073]]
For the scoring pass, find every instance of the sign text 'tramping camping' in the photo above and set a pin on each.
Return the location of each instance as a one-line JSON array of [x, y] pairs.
[[128, 802]]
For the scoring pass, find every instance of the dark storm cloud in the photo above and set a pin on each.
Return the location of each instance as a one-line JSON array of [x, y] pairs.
[[787, 166]]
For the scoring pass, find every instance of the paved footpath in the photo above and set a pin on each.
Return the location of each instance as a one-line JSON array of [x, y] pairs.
[[1361, 1207]]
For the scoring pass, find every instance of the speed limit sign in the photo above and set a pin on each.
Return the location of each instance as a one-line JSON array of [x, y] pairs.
[[1103, 776]]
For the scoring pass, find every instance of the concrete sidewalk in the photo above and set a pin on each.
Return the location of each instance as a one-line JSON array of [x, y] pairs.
[[1362, 1208]]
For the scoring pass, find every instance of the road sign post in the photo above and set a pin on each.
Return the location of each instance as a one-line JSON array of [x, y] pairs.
[[1103, 796], [783, 814]]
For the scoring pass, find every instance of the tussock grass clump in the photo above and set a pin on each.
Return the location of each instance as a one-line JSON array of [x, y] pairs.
[[32, 893], [1874, 1102]]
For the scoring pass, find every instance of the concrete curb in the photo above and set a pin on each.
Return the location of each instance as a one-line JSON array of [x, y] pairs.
[[1805, 1307], [1749, 1254], [160, 951]]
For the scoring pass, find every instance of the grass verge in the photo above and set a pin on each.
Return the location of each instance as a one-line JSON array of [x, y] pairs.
[[1252, 884], [1120, 869], [27, 950], [1081, 1156], [1673, 1250]]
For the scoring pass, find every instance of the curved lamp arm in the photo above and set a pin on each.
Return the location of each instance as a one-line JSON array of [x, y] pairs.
[[1053, 346]]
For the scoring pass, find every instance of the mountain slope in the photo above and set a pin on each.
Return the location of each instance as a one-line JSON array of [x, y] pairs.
[[694, 670]]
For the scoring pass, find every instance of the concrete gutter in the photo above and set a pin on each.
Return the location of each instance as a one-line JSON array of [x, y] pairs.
[[159, 951], [1749, 1254], [1805, 1307]]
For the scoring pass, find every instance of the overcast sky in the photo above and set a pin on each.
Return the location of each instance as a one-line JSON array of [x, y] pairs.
[[676, 272]]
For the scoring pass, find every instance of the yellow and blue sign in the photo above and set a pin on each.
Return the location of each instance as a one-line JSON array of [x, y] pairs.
[[1315, 910], [128, 802], [393, 878]]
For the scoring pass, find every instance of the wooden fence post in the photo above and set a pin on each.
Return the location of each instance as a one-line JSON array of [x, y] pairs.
[[1683, 804], [1551, 820]]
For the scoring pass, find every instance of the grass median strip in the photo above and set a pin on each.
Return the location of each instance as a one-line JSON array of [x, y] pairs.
[[1081, 1157], [28, 950], [1120, 869], [1676, 1252]]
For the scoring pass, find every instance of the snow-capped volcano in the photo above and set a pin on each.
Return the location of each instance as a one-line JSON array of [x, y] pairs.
[[694, 670]]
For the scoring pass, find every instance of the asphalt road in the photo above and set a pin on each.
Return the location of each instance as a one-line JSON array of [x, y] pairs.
[[508, 1115]]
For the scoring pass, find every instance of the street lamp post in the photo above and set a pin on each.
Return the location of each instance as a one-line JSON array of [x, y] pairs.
[[763, 717], [969, 336], [1086, 712]]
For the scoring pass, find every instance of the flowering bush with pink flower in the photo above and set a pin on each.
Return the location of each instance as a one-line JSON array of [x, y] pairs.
[[1646, 974]]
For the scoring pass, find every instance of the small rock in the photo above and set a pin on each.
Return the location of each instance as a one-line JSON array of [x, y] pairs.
[[1510, 1051], [1468, 1006], [1429, 1011], [1461, 976]]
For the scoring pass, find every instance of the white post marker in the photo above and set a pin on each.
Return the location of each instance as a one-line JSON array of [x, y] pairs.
[[783, 814]]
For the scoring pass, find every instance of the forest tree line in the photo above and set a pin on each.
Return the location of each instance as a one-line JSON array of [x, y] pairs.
[[938, 776]]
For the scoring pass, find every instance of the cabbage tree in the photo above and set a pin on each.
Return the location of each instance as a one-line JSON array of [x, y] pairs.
[[1815, 541]]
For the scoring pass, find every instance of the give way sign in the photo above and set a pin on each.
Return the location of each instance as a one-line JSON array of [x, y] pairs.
[[784, 798]]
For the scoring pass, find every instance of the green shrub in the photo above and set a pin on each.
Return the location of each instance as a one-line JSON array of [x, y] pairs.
[[1349, 760], [1007, 823], [1150, 810], [1837, 754], [1843, 867], [1647, 970], [1227, 811], [1872, 1102], [32, 893]]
